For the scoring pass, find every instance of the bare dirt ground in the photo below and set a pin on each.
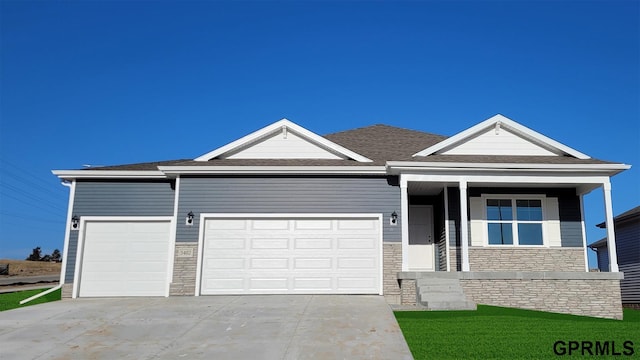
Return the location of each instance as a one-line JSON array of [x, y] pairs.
[[30, 268]]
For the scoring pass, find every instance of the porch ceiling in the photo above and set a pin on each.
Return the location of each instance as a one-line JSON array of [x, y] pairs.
[[434, 188]]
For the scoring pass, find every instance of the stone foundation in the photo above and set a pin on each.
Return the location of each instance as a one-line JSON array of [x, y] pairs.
[[409, 292], [184, 269], [577, 293], [391, 265], [526, 259], [67, 290]]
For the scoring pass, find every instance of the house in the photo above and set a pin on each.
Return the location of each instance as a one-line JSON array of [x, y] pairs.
[[491, 215], [627, 231]]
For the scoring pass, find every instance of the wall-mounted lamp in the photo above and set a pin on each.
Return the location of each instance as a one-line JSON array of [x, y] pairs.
[[75, 222], [393, 220], [189, 219]]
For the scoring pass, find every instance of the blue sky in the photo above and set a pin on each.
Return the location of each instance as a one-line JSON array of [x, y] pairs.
[[122, 82]]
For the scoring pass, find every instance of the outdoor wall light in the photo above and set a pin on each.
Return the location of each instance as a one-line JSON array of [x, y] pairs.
[[189, 219], [394, 218], [75, 222]]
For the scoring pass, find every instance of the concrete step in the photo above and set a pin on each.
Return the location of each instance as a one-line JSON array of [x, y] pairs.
[[442, 297], [441, 288], [437, 281], [450, 305]]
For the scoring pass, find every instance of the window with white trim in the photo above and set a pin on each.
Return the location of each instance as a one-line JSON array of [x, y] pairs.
[[514, 221]]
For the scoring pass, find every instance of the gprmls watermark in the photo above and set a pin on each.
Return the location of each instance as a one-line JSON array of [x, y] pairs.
[[593, 348]]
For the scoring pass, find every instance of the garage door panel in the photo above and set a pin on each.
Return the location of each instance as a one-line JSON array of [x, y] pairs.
[[269, 284], [258, 264], [270, 224], [312, 263], [356, 243], [356, 263], [291, 256], [278, 243], [317, 284], [125, 258], [313, 224], [312, 244], [357, 224], [226, 243]]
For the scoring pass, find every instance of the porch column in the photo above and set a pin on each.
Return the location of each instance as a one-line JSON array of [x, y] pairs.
[[404, 222], [464, 225], [611, 234]]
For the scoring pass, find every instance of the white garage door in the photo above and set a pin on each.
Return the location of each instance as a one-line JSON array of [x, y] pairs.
[[291, 256], [125, 258]]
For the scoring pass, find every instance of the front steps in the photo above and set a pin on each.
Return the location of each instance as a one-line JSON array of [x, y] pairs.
[[441, 291]]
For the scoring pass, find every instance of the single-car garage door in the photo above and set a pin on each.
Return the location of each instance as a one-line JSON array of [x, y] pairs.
[[125, 258], [291, 256]]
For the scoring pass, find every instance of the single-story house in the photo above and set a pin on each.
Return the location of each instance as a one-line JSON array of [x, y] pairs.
[[491, 215], [627, 231]]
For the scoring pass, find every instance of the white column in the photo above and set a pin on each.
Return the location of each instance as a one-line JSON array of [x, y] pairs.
[[404, 221], [584, 234], [611, 234], [464, 226], [446, 226]]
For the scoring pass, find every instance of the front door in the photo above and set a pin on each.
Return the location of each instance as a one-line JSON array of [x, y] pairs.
[[421, 248]]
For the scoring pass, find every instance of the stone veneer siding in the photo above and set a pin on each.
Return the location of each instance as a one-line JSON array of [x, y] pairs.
[[409, 292], [67, 290], [589, 297], [526, 259], [184, 269], [391, 265]]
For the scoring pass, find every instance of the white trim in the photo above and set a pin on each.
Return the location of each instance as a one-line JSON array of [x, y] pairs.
[[435, 165], [172, 236], [373, 170], [610, 224], [446, 225], [81, 239], [67, 231], [278, 126], [109, 174], [515, 221], [464, 225], [206, 216], [584, 235], [404, 211], [505, 122], [496, 179]]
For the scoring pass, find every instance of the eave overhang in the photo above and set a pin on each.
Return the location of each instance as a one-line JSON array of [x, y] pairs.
[[108, 174]]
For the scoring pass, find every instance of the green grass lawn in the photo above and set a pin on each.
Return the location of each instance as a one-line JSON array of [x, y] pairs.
[[503, 333], [10, 301]]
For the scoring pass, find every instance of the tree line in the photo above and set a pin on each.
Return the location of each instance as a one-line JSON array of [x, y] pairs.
[[36, 255]]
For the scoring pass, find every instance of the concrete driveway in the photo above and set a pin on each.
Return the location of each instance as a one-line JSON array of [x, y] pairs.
[[206, 327]]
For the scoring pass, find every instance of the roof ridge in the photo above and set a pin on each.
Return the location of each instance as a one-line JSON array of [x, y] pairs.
[[388, 126]]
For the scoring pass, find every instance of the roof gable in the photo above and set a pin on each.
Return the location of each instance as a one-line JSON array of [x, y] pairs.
[[282, 140], [500, 135]]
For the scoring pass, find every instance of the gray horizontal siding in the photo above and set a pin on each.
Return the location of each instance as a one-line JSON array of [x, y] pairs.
[[287, 195], [603, 258], [628, 242], [630, 286], [117, 198]]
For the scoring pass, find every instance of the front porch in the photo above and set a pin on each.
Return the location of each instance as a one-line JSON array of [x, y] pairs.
[[449, 258]]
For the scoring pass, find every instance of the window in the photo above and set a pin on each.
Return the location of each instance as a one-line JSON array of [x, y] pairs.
[[514, 221]]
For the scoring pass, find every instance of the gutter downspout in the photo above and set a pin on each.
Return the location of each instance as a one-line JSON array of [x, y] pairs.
[[67, 232]]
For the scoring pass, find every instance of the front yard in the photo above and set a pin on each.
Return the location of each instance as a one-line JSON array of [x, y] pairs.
[[12, 300], [502, 333]]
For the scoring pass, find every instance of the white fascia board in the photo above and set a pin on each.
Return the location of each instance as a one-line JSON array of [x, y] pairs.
[[108, 174], [535, 136], [256, 135], [203, 170], [506, 166]]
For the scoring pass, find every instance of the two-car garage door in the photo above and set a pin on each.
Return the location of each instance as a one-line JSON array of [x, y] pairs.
[[291, 255]]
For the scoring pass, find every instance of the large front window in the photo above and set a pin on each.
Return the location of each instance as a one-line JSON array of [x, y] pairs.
[[514, 221]]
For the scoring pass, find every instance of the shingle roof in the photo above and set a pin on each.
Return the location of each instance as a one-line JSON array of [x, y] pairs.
[[627, 215], [380, 143]]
